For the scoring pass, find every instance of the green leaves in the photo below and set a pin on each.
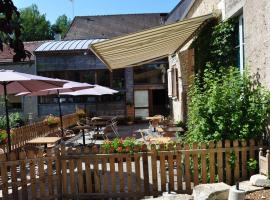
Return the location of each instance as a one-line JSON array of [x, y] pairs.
[[227, 105]]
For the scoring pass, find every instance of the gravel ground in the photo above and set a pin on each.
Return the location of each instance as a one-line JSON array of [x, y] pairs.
[[259, 195]]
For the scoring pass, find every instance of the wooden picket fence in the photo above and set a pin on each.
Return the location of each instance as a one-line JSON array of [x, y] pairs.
[[85, 173], [25, 133]]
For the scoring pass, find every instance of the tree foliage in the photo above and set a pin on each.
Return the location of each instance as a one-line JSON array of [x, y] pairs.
[[35, 26], [227, 105], [61, 25], [10, 30]]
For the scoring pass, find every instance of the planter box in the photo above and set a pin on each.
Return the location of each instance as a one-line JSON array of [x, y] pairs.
[[130, 111], [264, 162]]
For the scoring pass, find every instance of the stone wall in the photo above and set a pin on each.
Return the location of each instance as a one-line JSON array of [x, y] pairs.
[[257, 38], [68, 61], [202, 7], [29, 104]]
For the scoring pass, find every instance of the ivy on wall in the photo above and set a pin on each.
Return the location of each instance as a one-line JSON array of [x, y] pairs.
[[216, 45]]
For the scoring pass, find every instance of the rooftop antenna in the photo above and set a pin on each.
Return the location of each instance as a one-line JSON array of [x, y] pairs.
[[72, 2]]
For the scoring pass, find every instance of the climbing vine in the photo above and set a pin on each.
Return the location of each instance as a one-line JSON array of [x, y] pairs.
[[216, 45]]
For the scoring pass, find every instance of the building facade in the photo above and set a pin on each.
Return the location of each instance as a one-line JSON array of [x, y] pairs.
[[144, 88], [253, 41]]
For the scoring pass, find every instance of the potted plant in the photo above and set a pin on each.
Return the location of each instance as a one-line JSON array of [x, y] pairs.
[[130, 120], [51, 120], [80, 113]]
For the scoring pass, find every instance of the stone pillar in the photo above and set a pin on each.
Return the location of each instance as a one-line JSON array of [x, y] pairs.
[[129, 85]]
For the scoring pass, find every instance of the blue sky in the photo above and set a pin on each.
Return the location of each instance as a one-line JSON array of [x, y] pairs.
[[55, 8]]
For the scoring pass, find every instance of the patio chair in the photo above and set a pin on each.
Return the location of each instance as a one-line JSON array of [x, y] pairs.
[[106, 131]]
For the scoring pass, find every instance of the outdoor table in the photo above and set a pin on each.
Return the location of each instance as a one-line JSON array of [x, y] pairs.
[[44, 141], [82, 128], [154, 120], [173, 129]]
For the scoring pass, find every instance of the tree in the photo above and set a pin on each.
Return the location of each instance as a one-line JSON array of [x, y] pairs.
[[35, 26], [61, 25], [10, 30]]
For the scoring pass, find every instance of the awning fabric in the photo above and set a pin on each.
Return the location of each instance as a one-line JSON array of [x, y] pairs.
[[133, 49]]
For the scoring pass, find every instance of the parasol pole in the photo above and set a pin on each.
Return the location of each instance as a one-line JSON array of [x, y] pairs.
[[60, 114], [7, 116]]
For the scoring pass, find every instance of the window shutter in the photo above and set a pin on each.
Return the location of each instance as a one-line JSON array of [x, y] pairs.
[[170, 83]]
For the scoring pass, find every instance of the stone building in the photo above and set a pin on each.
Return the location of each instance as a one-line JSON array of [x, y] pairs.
[[143, 87], [253, 36]]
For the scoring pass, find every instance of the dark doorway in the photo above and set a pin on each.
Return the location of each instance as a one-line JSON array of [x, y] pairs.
[[160, 102]]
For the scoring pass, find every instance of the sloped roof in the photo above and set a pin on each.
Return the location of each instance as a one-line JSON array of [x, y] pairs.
[[7, 54], [66, 45], [108, 26]]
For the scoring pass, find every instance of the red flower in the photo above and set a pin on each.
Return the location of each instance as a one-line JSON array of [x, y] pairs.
[[127, 149], [111, 150], [120, 149]]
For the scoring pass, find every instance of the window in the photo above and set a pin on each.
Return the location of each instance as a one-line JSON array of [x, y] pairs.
[[173, 82], [118, 80], [241, 44], [154, 73]]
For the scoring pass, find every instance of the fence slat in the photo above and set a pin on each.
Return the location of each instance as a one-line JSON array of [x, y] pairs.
[[22, 157], [162, 169], [4, 176], [228, 164], [244, 160], [129, 174], [137, 161], [32, 165], [179, 168], [195, 165], [89, 183], [80, 172], [171, 172], [71, 164], [104, 174], [112, 174], [236, 167], [121, 172], [41, 175], [145, 170], [220, 161], [14, 176], [212, 161], [96, 175], [64, 170], [50, 173], [203, 161], [187, 168]]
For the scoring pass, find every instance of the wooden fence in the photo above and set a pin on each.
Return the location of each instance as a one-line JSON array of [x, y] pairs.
[[87, 173], [25, 133]]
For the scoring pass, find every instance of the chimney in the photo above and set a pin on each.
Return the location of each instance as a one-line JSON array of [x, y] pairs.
[[57, 37]]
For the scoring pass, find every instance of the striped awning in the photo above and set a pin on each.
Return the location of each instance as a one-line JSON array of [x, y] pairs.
[[152, 44]]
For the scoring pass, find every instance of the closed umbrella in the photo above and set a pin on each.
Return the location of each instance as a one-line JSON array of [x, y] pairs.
[[97, 90], [70, 86], [12, 82]]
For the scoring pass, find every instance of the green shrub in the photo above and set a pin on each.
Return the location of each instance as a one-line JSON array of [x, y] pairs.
[[15, 120], [227, 105]]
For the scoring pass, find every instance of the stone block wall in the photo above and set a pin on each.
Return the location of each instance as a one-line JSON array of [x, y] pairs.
[[257, 38]]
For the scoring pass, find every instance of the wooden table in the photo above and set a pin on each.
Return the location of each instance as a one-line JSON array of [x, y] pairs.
[[44, 141]]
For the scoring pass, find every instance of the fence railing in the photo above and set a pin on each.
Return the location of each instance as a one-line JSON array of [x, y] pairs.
[[25, 133], [72, 173]]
